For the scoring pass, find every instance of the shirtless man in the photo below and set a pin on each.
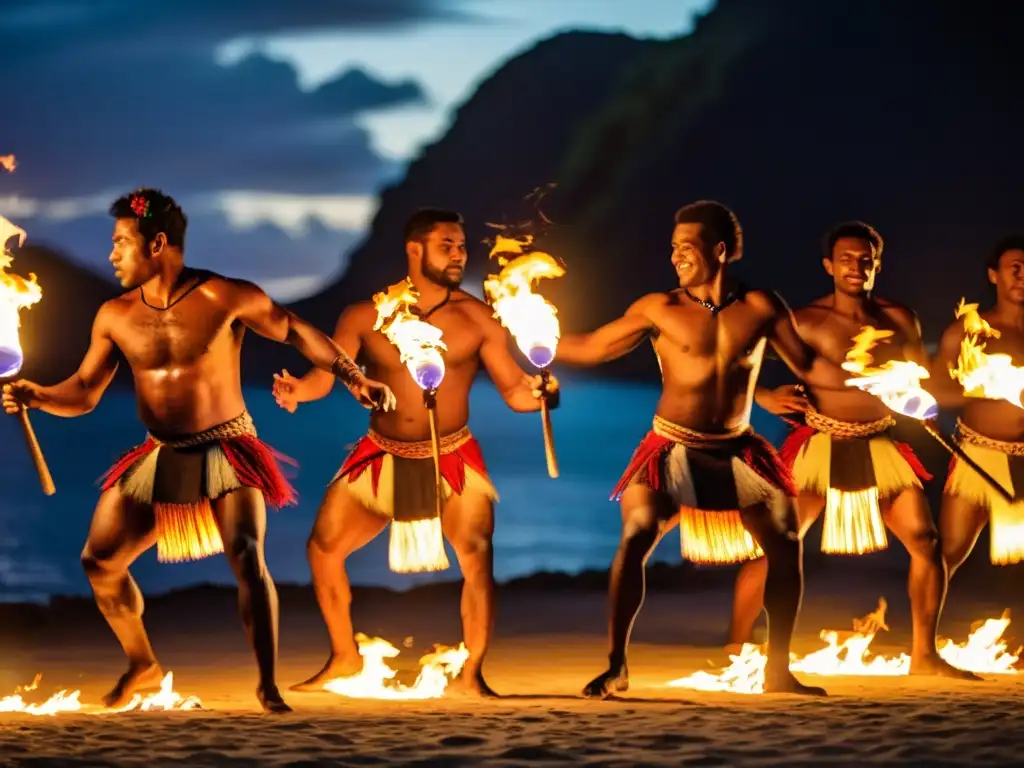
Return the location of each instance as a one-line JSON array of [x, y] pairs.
[[844, 459], [702, 467], [990, 431], [389, 472], [199, 483]]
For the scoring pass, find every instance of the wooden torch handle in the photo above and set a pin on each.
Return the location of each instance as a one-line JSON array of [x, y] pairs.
[[435, 442], [957, 451], [45, 479], [549, 438]]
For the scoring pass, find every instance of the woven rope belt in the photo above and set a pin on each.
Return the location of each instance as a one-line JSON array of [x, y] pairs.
[[968, 435], [691, 438], [237, 427], [845, 430], [421, 449]]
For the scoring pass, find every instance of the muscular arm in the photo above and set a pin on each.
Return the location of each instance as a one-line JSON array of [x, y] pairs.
[[612, 340], [80, 393], [509, 379], [799, 356], [318, 383], [269, 319]]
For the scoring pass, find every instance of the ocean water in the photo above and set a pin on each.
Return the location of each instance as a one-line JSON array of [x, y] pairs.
[[566, 524]]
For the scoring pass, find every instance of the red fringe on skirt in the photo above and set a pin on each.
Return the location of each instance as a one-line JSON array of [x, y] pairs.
[[368, 455], [256, 464], [752, 449], [801, 433]]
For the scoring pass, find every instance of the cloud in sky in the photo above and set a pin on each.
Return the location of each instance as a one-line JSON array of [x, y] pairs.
[[185, 123], [278, 181], [69, 26], [274, 123]]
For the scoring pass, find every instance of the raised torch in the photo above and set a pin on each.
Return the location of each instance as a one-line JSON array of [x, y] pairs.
[[17, 293], [529, 317], [897, 383], [416, 543]]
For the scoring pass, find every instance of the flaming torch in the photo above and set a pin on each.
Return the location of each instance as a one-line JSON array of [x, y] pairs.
[[897, 383], [528, 316], [417, 544], [993, 377], [17, 293]]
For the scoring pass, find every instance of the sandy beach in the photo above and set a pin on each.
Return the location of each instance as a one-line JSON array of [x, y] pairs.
[[550, 642]]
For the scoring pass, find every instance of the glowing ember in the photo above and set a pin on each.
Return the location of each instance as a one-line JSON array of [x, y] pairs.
[[984, 652], [16, 293], [897, 383], [982, 375], [529, 317], [166, 699], [419, 344], [8, 162], [376, 680]]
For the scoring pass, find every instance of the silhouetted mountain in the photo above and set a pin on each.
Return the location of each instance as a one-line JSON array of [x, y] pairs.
[[509, 137], [796, 113], [55, 332]]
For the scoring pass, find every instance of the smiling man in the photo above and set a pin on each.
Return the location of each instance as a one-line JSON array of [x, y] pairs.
[[702, 467], [200, 482], [844, 459]]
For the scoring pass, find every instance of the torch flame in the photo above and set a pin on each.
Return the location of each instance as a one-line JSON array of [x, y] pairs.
[[376, 680], [897, 383], [980, 374], [529, 317], [984, 652], [16, 293], [419, 344]]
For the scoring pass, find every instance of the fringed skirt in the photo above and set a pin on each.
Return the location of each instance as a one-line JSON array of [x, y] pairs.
[[180, 477], [1005, 463], [853, 467], [711, 479], [397, 480]]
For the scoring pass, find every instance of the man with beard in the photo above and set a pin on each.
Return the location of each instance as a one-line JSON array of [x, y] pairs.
[[391, 467], [990, 431], [844, 459], [199, 483], [701, 466]]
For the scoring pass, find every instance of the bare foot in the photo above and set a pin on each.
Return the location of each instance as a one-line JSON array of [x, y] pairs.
[[608, 683], [335, 667], [271, 701], [139, 677], [782, 681], [936, 665], [470, 683]]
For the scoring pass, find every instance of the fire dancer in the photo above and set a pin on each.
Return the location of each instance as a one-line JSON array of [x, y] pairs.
[[390, 471], [990, 431], [844, 459], [199, 482], [702, 467]]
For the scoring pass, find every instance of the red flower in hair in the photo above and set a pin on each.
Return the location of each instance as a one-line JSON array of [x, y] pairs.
[[140, 206]]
